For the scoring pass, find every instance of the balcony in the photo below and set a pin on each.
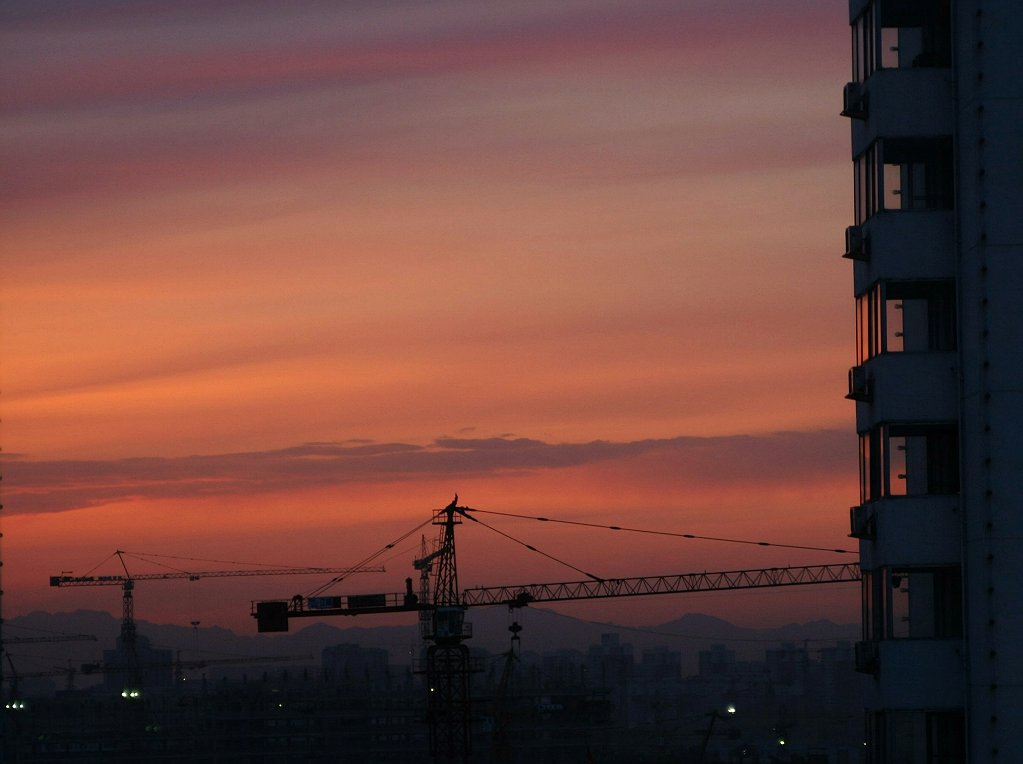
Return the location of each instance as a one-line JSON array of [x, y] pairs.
[[913, 673], [916, 244], [919, 673], [906, 387], [903, 103], [910, 530]]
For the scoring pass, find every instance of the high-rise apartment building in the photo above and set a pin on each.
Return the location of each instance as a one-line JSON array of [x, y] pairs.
[[936, 107]]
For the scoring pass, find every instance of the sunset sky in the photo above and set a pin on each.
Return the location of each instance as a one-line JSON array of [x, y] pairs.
[[278, 279]]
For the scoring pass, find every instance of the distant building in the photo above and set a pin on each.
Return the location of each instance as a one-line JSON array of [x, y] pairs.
[[660, 663], [354, 664], [143, 667], [718, 661], [936, 108], [563, 668], [611, 663], [787, 664]]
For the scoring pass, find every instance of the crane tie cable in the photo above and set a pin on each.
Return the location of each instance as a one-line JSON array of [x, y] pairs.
[[530, 547], [337, 579], [666, 533], [147, 557]]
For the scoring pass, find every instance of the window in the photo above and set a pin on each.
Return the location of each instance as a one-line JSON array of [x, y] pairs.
[[898, 35], [863, 57], [905, 316], [946, 737], [912, 603], [916, 737], [908, 460], [924, 604], [917, 174], [871, 620], [903, 174], [865, 184]]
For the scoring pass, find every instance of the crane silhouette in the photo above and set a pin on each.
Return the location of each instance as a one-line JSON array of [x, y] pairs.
[[441, 607], [128, 638]]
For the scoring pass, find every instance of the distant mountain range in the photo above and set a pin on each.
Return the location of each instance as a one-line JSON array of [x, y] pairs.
[[543, 631]]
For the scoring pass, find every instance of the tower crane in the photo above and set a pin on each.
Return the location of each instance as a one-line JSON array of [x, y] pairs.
[[35, 641], [129, 634], [501, 748], [448, 665], [180, 666]]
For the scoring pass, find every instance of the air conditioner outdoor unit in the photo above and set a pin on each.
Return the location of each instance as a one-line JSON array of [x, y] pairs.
[[854, 101], [861, 522], [866, 656], [857, 245], [859, 384]]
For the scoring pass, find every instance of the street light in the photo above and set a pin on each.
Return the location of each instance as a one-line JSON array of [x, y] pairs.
[[714, 716]]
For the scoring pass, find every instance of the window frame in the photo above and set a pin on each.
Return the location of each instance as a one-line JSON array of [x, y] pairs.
[[902, 602], [921, 167], [936, 332], [930, 460], [881, 24]]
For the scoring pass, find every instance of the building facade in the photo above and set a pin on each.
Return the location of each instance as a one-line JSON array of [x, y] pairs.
[[935, 102]]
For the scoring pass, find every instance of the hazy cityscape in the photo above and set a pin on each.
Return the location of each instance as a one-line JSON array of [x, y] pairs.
[[617, 696]]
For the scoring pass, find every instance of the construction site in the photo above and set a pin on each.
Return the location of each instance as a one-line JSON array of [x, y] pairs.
[[449, 702]]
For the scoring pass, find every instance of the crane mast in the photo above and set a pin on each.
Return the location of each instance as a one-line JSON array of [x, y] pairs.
[[448, 665]]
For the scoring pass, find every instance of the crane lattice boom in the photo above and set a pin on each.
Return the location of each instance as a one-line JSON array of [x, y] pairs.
[[53, 638], [118, 580], [272, 615], [673, 584]]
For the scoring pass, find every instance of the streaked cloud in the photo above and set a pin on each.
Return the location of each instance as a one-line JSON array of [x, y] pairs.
[[163, 96], [61, 485], [221, 49]]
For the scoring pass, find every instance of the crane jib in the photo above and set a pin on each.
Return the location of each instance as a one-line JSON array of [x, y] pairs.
[[273, 615]]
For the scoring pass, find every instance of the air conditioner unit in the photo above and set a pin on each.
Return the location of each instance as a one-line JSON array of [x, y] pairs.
[[861, 522], [859, 384], [854, 101], [857, 244], [866, 655]]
